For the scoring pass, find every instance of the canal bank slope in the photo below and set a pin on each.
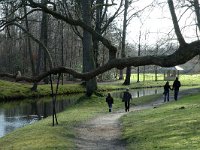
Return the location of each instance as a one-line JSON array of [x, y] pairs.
[[17, 91], [88, 116], [41, 135]]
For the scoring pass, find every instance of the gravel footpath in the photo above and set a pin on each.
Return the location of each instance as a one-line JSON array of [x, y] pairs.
[[104, 131]]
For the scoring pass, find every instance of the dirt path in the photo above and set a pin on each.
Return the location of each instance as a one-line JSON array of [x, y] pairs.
[[104, 132], [101, 133]]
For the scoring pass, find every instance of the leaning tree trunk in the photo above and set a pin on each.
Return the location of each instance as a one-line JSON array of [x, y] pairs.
[[128, 76], [88, 59]]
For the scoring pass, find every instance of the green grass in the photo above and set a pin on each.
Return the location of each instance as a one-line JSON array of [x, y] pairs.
[[145, 99], [13, 90], [165, 127], [172, 126], [186, 79], [41, 135]]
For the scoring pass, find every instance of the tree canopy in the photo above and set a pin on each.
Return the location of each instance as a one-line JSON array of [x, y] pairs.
[[185, 51]]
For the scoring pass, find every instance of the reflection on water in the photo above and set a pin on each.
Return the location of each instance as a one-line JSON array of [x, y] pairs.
[[139, 92], [8, 124], [18, 114]]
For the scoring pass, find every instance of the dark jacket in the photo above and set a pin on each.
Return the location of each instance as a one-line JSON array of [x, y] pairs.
[[126, 97], [166, 88], [176, 85], [109, 100]]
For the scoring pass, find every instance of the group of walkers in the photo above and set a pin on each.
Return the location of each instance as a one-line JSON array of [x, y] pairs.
[[127, 95], [126, 99], [176, 85]]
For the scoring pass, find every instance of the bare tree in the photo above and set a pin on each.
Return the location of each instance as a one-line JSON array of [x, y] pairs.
[[43, 39], [88, 60], [184, 52], [128, 70], [29, 42]]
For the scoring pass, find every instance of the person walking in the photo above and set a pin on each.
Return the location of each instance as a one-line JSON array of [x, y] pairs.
[[109, 100], [176, 86], [126, 99], [166, 91]]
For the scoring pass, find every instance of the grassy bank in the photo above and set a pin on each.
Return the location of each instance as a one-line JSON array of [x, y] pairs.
[[13, 90], [171, 126], [41, 135]]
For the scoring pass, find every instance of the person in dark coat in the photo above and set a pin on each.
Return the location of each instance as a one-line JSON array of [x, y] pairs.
[[109, 100], [176, 86], [166, 91], [126, 99]]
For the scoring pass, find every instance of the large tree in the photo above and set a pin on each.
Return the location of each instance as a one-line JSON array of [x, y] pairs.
[[88, 59], [184, 52], [43, 39]]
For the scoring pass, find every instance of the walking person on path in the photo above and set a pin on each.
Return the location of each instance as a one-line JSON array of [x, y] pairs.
[[126, 99], [166, 91], [109, 100], [176, 86]]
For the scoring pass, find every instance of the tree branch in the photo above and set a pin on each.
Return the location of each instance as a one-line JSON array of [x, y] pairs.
[[181, 56], [175, 22], [108, 22], [196, 7], [36, 40], [80, 23]]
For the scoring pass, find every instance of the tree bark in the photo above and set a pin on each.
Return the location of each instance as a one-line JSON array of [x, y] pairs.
[[29, 44], [197, 12], [175, 22], [128, 76], [123, 53], [43, 39], [98, 22], [128, 69], [139, 49], [88, 60], [156, 73]]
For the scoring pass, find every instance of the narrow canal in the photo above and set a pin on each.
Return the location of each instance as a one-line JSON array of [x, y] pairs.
[[20, 113]]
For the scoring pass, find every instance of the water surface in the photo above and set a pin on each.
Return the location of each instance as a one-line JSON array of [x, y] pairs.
[[20, 113]]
